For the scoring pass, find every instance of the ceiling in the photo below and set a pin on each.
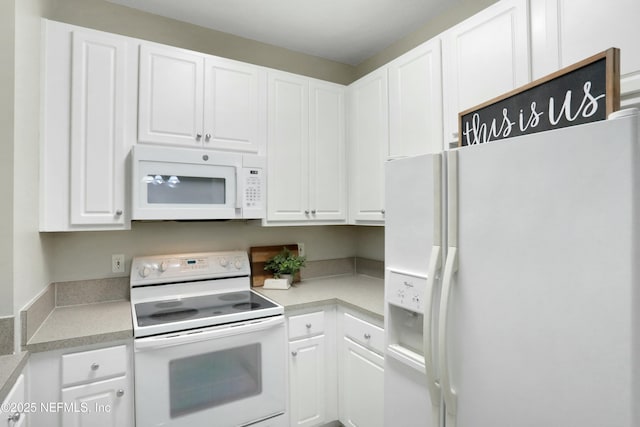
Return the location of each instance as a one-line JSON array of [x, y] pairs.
[[347, 31]]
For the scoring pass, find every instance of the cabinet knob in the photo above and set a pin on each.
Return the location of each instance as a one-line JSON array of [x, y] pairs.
[[120, 393], [308, 325], [367, 336], [294, 353], [382, 211], [207, 137], [95, 366], [198, 136], [313, 212], [15, 417], [119, 212], [306, 212]]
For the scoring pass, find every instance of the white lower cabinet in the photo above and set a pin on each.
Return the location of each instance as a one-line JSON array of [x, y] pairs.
[[336, 368], [307, 371], [361, 386], [312, 368], [83, 387], [13, 407], [100, 403], [361, 371]]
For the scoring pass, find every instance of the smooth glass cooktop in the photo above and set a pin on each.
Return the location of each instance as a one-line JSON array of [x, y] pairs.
[[199, 307]]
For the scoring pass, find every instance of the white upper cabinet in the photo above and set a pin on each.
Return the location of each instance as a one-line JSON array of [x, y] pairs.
[[170, 108], [327, 152], [368, 147], [415, 101], [234, 105], [306, 151], [288, 148], [565, 32], [196, 100], [97, 131], [484, 57], [88, 128]]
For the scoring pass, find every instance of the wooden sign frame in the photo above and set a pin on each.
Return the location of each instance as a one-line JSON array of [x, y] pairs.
[[522, 112]]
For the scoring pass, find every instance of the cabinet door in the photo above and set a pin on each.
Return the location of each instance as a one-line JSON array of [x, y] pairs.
[[288, 148], [415, 102], [362, 387], [170, 105], [485, 56], [232, 103], [102, 403], [13, 404], [97, 129], [327, 157], [307, 388], [368, 141], [565, 32]]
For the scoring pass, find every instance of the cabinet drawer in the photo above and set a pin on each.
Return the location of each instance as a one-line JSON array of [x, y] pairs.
[[364, 333], [305, 325], [94, 365]]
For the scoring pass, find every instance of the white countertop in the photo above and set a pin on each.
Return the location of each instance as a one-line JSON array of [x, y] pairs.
[[360, 292]]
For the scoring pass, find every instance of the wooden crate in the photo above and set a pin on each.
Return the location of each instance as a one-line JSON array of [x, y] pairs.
[[258, 255]]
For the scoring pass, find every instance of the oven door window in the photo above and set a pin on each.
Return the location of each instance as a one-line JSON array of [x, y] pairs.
[[213, 379]]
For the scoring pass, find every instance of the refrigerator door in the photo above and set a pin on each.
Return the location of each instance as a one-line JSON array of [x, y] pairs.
[[413, 255], [540, 324]]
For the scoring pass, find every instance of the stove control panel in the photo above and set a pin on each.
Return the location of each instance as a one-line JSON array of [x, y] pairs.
[[186, 267], [406, 290]]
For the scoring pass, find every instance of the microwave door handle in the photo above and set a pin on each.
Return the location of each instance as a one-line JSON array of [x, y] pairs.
[[238, 187]]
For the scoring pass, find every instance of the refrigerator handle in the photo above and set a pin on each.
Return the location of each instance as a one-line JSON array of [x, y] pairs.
[[432, 380], [449, 394]]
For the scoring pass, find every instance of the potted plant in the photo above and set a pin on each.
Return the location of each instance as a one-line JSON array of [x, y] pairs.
[[285, 265]]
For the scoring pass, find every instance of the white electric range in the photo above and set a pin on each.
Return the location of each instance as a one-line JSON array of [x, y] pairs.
[[206, 346]]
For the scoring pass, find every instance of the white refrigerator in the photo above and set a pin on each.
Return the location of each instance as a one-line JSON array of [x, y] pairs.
[[512, 292]]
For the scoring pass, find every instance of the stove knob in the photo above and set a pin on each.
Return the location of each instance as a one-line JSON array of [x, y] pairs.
[[164, 265], [145, 271], [238, 263], [224, 262]]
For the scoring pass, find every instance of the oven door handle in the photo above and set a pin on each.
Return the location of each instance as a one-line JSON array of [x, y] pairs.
[[187, 337]]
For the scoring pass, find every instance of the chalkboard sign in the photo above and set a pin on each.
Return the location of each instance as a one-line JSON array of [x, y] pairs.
[[581, 93]]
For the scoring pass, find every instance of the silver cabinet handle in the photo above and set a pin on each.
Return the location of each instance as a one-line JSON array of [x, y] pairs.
[[308, 325], [294, 353], [382, 211], [95, 366], [15, 417], [198, 136], [207, 137], [119, 212], [120, 393], [367, 336], [306, 212], [313, 212]]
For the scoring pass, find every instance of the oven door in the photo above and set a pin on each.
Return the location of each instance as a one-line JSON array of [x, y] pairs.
[[230, 375]]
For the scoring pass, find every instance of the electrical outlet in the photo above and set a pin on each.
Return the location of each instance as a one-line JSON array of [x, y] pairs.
[[301, 251], [117, 263]]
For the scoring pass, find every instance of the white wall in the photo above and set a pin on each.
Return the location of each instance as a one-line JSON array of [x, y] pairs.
[[370, 243], [30, 270], [6, 155], [87, 255]]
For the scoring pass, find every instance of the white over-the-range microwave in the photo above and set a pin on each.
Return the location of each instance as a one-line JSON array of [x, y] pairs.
[[194, 184]]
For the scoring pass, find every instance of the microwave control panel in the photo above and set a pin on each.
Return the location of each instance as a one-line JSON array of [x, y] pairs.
[[253, 197]]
